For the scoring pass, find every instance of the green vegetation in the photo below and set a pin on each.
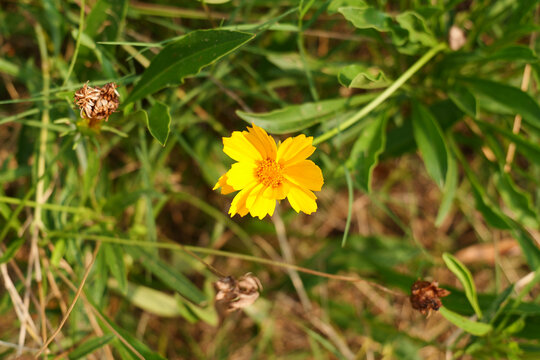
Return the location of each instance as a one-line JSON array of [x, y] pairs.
[[426, 119]]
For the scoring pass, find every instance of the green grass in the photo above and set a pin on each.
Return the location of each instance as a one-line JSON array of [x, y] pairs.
[[111, 237]]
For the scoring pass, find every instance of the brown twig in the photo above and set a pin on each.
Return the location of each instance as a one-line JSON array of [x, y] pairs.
[[72, 306]]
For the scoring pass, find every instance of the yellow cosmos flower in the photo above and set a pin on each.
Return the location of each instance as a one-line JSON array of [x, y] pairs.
[[265, 173]]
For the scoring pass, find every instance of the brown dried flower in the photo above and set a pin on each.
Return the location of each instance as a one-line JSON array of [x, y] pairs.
[[237, 294], [425, 296], [97, 103]]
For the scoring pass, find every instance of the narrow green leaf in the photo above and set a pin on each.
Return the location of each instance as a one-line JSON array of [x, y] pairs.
[[464, 100], [159, 122], [350, 207], [431, 143], [530, 150], [90, 346], [174, 279], [115, 262], [136, 344], [298, 117], [506, 99], [472, 327], [513, 53], [150, 300], [362, 77], [517, 200], [366, 150], [449, 189], [465, 278], [186, 57], [11, 250]]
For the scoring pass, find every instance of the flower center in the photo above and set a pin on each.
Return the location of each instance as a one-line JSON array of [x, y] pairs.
[[269, 173]]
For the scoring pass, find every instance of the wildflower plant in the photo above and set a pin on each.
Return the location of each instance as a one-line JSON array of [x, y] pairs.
[[408, 130]]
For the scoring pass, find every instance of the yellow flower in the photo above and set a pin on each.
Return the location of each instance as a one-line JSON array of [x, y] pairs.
[[265, 173]]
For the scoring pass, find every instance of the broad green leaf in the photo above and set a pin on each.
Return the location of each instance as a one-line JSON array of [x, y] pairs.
[[367, 18], [298, 117], [11, 250], [90, 346], [472, 327], [186, 57], [173, 279], [431, 143], [159, 122], [465, 278], [449, 189], [150, 300], [464, 100], [507, 99], [416, 27], [362, 77], [517, 200], [366, 150], [114, 258]]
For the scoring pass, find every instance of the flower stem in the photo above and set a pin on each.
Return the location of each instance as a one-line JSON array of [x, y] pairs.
[[382, 97]]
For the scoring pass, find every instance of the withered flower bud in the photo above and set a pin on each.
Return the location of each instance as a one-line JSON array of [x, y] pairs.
[[235, 294], [425, 296], [97, 103]]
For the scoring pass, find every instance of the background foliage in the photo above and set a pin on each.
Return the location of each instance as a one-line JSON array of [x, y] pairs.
[[415, 107]]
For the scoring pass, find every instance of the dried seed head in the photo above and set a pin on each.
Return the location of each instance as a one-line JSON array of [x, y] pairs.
[[237, 294], [425, 296], [97, 103]]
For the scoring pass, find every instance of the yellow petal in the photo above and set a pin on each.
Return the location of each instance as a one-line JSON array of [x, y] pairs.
[[277, 193], [302, 200], [238, 205], [241, 175], [305, 174], [222, 183], [264, 143], [295, 149], [240, 149], [258, 205]]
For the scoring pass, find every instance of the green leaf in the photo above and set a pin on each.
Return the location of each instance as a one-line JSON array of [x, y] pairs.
[[465, 278], [449, 189], [11, 250], [173, 279], [298, 117], [131, 340], [431, 143], [513, 53], [150, 300], [517, 200], [472, 327], [529, 149], [506, 99], [159, 122], [464, 100], [115, 262], [416, 27], [362, 77], [367, 18], [186, 57], [90, 346], [336, 4], [366, 150]]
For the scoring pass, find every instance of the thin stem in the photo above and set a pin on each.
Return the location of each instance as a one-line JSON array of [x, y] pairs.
[[77, 43], [202, 250], [383, 96]]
